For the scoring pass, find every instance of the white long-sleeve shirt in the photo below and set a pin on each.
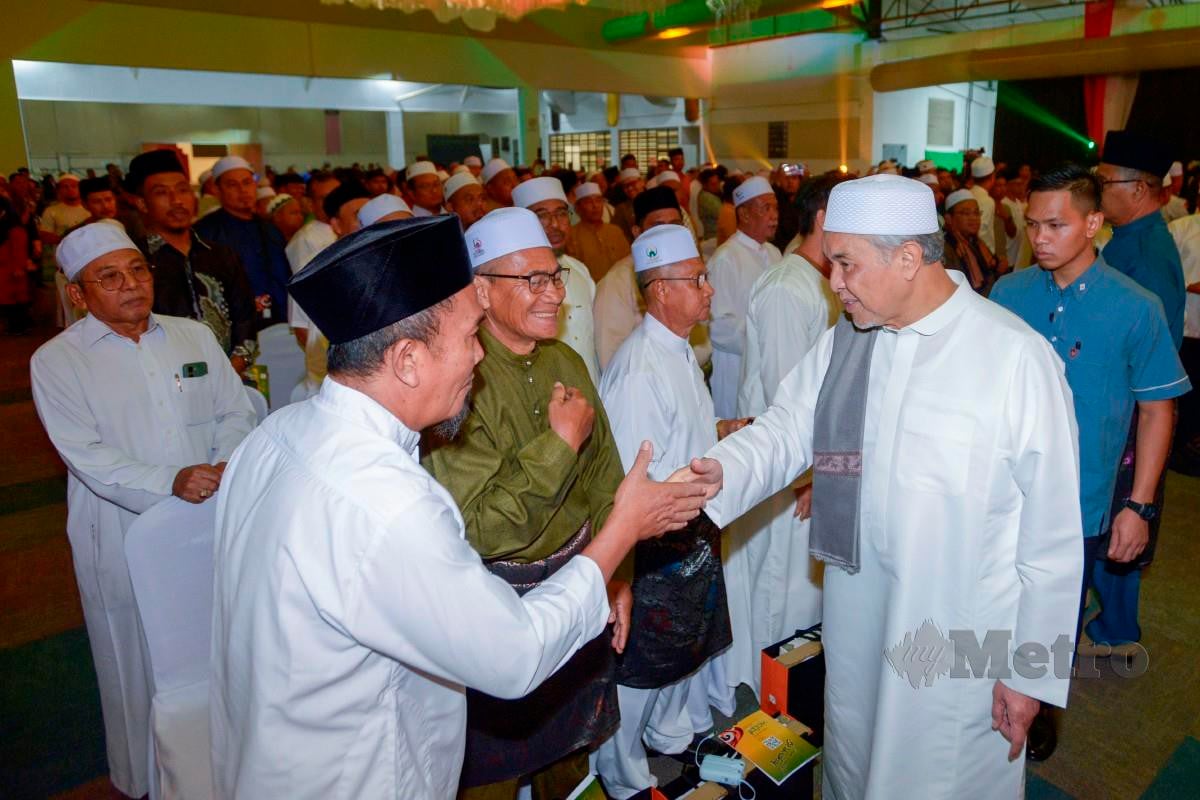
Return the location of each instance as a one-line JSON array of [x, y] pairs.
[[350, 613], [311, 239], [969, 519], [125, 417], [576, 327], [732, 270]]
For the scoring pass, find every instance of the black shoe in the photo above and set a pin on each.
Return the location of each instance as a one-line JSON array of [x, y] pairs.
[[1042, 738]]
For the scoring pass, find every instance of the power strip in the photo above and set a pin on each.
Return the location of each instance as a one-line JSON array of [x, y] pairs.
[[724, 770]]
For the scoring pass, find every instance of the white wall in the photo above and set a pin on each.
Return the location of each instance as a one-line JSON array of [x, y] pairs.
[[902, 118], [591, 114]]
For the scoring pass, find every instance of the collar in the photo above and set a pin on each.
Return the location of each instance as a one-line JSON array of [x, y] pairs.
[[155, 242], [1144, 222], [943, 315], [1090, 277], [94, 330], [663, 335], [746, 241], [494, 348], [358, 409]]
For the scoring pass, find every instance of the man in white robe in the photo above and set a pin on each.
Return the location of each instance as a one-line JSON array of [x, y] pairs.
[[140, 407], [774, 586], [311, 239], [653, 390], [349, 612], [545, 198], [967, 524], [983, 171], [733, 269]]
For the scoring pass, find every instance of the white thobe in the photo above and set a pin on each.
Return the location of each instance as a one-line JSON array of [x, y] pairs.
[[618, 309], [732, 270], [1175, 208], [1186, 232], [311, 239], [774, 587], [350, 612], [987, 216], [1020, 251], [653, 390], [125, 421], [969, 520], [576, 328], [421, 211]]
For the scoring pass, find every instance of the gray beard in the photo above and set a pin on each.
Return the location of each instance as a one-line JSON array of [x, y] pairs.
[[447, 430]]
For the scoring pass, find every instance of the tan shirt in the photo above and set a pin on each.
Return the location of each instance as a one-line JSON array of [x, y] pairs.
[[597, 246]]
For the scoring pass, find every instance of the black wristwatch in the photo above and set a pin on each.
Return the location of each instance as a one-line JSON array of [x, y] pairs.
[[1147, 511]]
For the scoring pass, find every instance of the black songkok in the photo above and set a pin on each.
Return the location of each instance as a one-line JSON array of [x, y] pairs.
[[659, 197], [1136, 151]]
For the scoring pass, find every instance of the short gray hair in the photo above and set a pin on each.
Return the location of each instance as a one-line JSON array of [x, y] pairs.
[[1131, 174], [363, 356], [933, 245]]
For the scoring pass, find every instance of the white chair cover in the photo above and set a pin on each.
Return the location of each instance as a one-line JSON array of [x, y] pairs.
[[169, 549], [281, 353], [258, 402]]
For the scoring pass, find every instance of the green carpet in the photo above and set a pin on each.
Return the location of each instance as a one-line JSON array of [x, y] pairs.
[[1180, 776]]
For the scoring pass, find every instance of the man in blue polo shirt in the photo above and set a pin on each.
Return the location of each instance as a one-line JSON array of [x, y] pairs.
[[1114, 340]]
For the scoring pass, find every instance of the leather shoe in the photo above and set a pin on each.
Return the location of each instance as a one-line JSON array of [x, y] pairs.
[[1042, 738]]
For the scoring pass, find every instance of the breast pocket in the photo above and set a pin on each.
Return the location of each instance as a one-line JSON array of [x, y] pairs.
[[196, 405], [934, 451]]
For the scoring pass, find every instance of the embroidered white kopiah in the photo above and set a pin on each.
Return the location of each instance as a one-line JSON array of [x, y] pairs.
[[379, 207], [83, 245], [881, 205], [504, 231], [663, 245], [494, 168], [537, 190], [750, 189], [457, 181]]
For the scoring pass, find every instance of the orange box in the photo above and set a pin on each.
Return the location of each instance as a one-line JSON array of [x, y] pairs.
[[793, 680]]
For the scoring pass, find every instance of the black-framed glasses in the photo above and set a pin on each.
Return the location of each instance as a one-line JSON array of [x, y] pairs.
[[700, 280], [538, 281], [113, 281], [562, 214]]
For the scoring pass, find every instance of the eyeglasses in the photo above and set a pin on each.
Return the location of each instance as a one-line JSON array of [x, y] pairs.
[[115, 280], [1107, 181], [538, 281], [560, 214], [700, 280]]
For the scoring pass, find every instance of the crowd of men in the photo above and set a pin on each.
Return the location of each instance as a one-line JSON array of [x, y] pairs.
[[578, 446]]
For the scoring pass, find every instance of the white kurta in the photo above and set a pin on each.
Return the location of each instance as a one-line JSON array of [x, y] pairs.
[[732, 270], [987, 221], [350, 612], [576, 328], [774, 586], [1020, 251], [314, 237], [970, 520], [1186, 232], [125, 421], [653, 389], [618, 309]]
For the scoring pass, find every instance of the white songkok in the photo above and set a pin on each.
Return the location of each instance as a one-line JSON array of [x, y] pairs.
[[504, 231], [538, 189], [928, 177], [588, 189], [926, 166], [264, 192], [751, 188], [379, 207], [420, 168], [982, 167], [457, 181], [1176, 171], [662, 246], [881, 205], [277, 202], [667, 175], [230, 163], [628, 174], [473, 161], [204, 177], [66, 176], [960, 196], [494, 168], [83, 245]]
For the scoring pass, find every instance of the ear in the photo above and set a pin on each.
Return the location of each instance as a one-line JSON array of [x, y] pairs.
[[405, 359], [908, 258], [819, 220], [336, 224], [1093, 222], [76, 295], [483, 288], [636, 231], [140, 203]]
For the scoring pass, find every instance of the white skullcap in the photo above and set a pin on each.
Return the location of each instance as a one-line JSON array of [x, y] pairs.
[[881, 205], [420, 168], [667, 175], [628, 174], [982, 167], [504, 231], [960, 196], [473, 161], [494, 168], [652, 183], [591, 176], [264, 192], [204, 177], [1176, 170], [928, 177], [67, 176], [925, 166], [457, 181], [84, 245], [793, 169], [230, 163], [443, 176], [663, 245], [588, 189], [459, 169], [538, 189], [751, 188], [277, 201], [379, 207]]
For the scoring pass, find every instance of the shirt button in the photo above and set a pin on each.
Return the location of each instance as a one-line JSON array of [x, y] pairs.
[[531, 379], [1054, 338], [537, 412], [529, 363], [1060, 308]]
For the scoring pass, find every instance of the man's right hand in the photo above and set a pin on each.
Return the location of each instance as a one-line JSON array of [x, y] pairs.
[[704, 472], [651, 508], [197, 483], [570, 415]]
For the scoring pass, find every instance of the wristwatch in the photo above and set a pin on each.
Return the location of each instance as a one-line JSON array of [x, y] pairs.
[[1146, 511]]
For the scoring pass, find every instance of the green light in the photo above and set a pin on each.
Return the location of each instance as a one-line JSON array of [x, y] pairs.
[[1018, 101], [1091, 145]]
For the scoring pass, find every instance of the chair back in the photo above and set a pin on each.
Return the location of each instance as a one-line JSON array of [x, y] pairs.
[[281, 353], [169, 549], [258, 402]]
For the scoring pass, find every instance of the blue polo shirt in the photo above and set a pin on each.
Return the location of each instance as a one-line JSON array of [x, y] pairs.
[[1113, 339], [1145, 251]]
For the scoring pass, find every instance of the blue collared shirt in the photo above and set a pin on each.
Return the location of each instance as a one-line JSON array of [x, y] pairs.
[[1114, 340], [1144, 250]]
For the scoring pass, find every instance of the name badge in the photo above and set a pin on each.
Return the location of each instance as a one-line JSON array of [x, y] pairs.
[[196, 369]]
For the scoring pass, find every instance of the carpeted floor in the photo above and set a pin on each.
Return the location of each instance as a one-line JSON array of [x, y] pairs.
[[1120, 738]]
